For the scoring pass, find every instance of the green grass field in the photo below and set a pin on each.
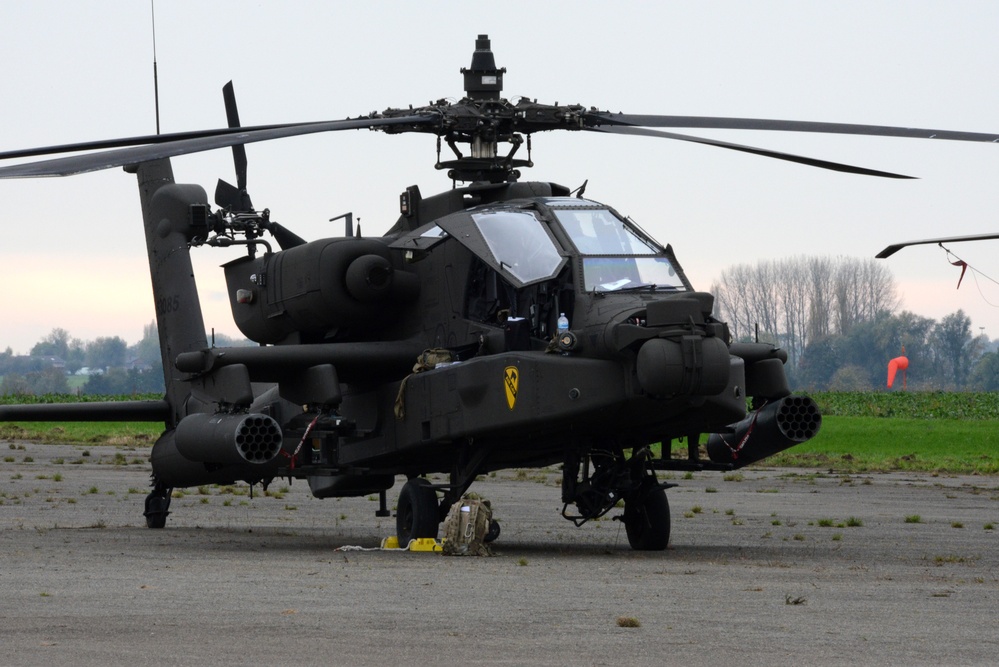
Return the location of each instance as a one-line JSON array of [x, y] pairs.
[[861, 432], [863, 444]]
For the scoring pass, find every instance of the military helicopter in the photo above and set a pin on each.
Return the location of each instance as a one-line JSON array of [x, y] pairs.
[[500, 324]]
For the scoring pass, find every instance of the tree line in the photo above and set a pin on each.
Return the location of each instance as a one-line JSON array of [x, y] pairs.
[[113, 366], [838, 320]]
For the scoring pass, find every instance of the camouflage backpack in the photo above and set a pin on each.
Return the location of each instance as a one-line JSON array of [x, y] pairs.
[[466, 526]]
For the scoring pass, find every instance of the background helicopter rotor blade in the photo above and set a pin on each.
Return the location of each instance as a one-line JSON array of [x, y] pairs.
[[813, 162], [720, 123], [895, 247], [198, 142]]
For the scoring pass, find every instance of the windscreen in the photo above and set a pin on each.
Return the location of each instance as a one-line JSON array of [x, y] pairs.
[[615, 257], [519, 244], [600, 232]]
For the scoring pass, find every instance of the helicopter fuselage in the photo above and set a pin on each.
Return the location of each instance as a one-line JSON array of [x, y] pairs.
[[439, 343]]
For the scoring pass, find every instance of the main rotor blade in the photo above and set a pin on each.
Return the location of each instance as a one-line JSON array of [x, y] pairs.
[[789, 157], [892, 249], [78, 164], [135, 141], [238, 150], [708, 122]]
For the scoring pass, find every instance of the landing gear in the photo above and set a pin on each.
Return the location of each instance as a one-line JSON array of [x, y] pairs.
[[598, 479], [417, 515], [157, 506], [646, 518]]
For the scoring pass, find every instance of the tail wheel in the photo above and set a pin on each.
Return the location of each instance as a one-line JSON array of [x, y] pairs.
[[646, 519], [157, 507], [417, 514]]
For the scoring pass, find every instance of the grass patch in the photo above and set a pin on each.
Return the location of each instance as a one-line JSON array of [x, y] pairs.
[[871, 444], [905, 404], [97, 433]]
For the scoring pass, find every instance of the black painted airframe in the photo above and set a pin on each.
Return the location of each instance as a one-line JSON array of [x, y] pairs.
[[499, 324]]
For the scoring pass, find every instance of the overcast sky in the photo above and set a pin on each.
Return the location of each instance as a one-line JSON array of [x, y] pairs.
[[73, 253]]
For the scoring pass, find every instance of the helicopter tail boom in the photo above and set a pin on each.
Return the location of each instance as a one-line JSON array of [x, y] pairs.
[[109, 411]]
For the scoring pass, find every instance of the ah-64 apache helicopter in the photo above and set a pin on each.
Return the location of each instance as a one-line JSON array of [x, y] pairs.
[[548, 328]]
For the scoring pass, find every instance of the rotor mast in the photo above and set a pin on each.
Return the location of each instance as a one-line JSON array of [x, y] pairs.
[[483, 119], [483, 81]]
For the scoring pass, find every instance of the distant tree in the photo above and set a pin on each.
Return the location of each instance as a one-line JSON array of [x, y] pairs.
[[14, 384], [985, 374], [224, 340], [48, 381], [19, 364], [147, 350], [119, 381], [954, 348], [862, 289], [796, 301], [863, 353], [56, 344], [820, 361], [868, 347], [6, 358], [850, 378], [76, 356], [820, 274], [106, 352]]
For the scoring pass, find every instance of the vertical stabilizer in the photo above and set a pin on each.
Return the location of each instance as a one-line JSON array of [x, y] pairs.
[[171, 214]]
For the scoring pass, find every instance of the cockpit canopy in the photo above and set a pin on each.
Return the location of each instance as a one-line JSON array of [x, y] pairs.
[[521, 244], [614, 255]]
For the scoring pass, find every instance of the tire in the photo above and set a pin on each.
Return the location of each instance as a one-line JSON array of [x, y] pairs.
[[417, 514], [157, 506], [493, 533], [646, 520]]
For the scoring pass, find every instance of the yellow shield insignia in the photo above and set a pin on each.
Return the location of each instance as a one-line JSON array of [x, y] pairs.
[[511, 378]]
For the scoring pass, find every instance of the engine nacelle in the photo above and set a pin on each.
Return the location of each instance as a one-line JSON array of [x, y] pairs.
[[316, 287], [691, 365]]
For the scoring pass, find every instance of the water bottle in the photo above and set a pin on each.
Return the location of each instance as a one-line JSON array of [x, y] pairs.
[[563, 324]]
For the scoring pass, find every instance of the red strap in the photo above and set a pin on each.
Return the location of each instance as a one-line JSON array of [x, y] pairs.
[[964, 267], [301, 442], [742, 443]]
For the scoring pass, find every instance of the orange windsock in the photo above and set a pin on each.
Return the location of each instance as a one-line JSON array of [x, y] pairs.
[[895, 365]]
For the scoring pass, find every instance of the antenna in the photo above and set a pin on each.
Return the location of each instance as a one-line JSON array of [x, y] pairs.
[[349, 226], [156, 80]]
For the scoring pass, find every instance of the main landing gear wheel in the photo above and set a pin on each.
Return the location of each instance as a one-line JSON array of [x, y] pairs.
[[157, 507], [646, 519], [417, 514]]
